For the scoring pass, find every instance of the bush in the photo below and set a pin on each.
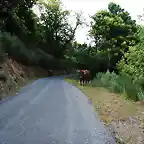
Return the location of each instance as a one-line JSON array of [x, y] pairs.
[[140, 95], [119, 84], [35, 56], [132, 63], [17, 50]]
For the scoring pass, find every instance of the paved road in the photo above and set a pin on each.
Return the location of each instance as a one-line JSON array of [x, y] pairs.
[[50, 111]]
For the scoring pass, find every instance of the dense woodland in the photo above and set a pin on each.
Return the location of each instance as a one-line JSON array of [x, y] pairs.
[[116, 59]]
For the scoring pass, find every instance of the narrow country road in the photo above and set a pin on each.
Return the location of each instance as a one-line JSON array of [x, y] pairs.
[[50, 111]]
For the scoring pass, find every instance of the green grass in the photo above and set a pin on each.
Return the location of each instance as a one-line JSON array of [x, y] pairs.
[[110, 106], [119, 84]]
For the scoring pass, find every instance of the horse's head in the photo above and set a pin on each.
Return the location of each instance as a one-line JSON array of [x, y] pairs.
[[81, 72]]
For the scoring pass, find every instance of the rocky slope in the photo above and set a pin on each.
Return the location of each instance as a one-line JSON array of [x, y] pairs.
[[13, 75]]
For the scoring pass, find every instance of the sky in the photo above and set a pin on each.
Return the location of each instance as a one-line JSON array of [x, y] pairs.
[[90, 7]]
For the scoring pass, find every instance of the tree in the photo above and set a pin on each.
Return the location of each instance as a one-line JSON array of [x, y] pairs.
[[17, 18], [132, 64], [113, 31], [55, 28]]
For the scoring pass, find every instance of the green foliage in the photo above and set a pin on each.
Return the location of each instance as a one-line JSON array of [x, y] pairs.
[[55, 28], [37, 40], [87, 57], [117, 40], [15, 48], [113, 31], [119, 84], [132, 63], [47, 41]]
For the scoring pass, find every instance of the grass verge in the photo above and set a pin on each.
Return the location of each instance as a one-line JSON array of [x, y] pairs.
[[112, 108]]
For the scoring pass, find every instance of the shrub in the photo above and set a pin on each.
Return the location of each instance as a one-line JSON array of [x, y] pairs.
[[35, 56], [140, 95], [132, 63], [16, 49], [119, 84]]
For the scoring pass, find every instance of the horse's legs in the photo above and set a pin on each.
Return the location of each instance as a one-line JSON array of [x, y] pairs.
[[86, 81], [81, 81]]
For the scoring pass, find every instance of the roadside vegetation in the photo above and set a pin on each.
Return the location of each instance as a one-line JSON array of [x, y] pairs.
[[123, 118], [115, 55], [116, 62], [37, 40], [35, 34]]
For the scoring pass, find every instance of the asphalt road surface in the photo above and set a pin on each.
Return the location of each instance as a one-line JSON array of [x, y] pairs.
[[51, 111]]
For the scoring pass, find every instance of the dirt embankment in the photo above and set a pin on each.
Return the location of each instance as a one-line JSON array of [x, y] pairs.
[[13, 75]]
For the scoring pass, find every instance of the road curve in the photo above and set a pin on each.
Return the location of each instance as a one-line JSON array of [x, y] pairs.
[[51, 111]]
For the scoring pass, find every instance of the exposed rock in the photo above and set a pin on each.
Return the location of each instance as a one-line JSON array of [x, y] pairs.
[[13, 75]]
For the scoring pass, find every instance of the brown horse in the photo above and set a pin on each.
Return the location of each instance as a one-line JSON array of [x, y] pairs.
[[50, 73], [87, 76], [84, 77], [81, 77]]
